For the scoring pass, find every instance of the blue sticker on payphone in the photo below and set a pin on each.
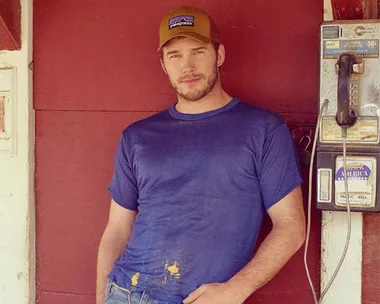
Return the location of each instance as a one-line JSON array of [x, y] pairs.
[[354, 173]]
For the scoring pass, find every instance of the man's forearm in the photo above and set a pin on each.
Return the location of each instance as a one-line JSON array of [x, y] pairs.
[[109, 250], [278, 247]]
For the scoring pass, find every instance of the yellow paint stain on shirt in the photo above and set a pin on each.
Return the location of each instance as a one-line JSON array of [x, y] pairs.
[[135, 279], [173, 269]]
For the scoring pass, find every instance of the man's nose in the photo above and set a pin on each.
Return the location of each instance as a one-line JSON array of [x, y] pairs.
[[188, 65]]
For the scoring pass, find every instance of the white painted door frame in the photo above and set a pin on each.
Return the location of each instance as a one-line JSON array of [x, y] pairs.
[[17, 209]]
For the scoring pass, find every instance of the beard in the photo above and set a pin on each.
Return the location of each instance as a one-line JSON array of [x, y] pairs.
[[195, 94]]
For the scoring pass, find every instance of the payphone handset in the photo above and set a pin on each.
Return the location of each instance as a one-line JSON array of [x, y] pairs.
[[350, 81]]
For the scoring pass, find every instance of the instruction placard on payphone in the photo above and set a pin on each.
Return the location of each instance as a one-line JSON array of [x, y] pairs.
[[350, 80]]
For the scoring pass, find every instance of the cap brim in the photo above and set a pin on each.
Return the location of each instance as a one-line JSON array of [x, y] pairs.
[[196, 36]]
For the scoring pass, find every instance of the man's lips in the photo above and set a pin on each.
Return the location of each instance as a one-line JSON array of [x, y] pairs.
[[190, 80]]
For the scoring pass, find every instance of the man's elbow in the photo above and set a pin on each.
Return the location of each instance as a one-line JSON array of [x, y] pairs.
[[295, 232], [299, 235], [300, 239]]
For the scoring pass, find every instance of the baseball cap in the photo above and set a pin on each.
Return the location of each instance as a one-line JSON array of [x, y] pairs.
[[187, 21]]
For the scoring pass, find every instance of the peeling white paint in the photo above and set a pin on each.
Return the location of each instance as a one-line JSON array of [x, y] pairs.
[[327, 10], [346, 288]]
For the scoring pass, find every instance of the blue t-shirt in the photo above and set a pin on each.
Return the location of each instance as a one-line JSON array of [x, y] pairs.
[[200, 184]]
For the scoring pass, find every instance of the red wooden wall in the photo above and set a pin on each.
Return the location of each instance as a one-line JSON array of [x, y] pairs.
[[96, 71]]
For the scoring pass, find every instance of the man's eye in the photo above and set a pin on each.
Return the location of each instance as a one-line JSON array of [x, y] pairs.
[[198, 52], [173, 56]]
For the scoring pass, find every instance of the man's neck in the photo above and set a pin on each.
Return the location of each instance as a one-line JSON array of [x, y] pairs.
[[208, 103]]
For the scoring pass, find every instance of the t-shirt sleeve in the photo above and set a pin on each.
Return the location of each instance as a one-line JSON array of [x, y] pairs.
[[123, 187], [280, 172]]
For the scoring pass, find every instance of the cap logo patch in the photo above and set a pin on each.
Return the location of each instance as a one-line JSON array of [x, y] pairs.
[[181, 21]]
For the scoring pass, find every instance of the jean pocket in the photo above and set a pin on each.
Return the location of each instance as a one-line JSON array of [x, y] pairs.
[[108, 290], [116, 294]]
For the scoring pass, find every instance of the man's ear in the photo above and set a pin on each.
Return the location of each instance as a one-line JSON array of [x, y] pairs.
[[221, 55], [163, 66]]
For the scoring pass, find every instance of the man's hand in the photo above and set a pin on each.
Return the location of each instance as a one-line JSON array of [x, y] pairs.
[[215, 293]]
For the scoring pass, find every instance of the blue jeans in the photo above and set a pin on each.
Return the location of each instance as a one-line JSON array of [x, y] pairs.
[[119, 295]]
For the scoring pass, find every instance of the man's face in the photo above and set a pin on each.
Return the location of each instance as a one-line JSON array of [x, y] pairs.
[[191, 66]]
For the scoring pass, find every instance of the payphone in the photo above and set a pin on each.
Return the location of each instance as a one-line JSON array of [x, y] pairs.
[[350, 92]]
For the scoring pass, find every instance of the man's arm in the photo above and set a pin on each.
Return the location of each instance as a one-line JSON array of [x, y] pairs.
[[285, 238], [112, 244]]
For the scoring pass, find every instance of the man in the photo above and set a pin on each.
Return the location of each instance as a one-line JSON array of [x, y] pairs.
[[191, 186]]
